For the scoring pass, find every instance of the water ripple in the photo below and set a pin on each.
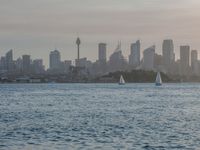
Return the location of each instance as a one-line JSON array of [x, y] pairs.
[[99, 116]]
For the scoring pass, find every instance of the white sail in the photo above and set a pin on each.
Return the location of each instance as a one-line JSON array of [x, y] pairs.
[[158, 79], [121, 81]]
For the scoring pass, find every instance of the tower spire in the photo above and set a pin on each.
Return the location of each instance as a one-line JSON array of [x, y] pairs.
[[78, 42]]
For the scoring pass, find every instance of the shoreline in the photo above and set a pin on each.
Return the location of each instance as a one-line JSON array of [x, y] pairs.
[[100, 83]]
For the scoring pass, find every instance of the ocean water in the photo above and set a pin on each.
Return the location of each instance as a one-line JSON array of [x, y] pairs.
[[99, 116]]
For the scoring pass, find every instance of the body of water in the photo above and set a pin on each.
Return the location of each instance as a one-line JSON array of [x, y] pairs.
[[99, 116]]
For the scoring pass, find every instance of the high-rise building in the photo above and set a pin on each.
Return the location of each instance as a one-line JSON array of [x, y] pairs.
[[100, 66], [102, 52], [184, 59], [168, 54], [66, 65], [134, 57], [117, 61], [26, 63], [194, 62], [82, 62], [38, 66], [9, 61], [19, 64], [148, 58], [3, 64], [54, 60], [194, 57]]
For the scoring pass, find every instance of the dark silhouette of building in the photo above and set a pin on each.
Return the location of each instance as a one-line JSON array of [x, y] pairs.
[[38, 66], [3, 67], [19, 65], [66, 65], [184, 60], [194, 62], [117, 61], [102, 52], [26, 63], [9, 61], [149, 58], [194, 57], [168, 54], [54, 60], [134, 57]]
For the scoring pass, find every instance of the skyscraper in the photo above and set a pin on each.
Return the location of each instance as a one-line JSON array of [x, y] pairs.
[[38, 66], [134, 57], [194, 62], [184, 59], [9, 61], [54, 60], [168, 54], [194, 57], [26, 63], [148, 58], [3, 64], [66, 65], [117, 61], [19, 64], [102, 52]]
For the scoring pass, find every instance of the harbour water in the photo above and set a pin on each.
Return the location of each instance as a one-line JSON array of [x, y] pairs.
[[99, 116]]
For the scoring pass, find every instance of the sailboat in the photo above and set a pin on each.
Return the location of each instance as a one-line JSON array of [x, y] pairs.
[[121, 81], [158, 79]]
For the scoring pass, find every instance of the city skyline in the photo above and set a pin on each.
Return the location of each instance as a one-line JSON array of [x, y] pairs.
[[26, 69], [126, 52], [55, 24], [150, 61]]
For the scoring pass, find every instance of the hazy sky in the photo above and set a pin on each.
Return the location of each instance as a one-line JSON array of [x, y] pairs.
[[38, 26]]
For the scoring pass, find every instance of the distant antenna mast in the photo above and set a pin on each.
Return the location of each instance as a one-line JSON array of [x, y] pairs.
[[78, 42]]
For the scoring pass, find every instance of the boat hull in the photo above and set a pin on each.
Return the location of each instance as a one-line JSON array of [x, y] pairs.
[[121, 83], [158, 84]]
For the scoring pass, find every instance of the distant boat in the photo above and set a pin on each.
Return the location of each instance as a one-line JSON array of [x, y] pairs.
[[121, 80], [158, 79]]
